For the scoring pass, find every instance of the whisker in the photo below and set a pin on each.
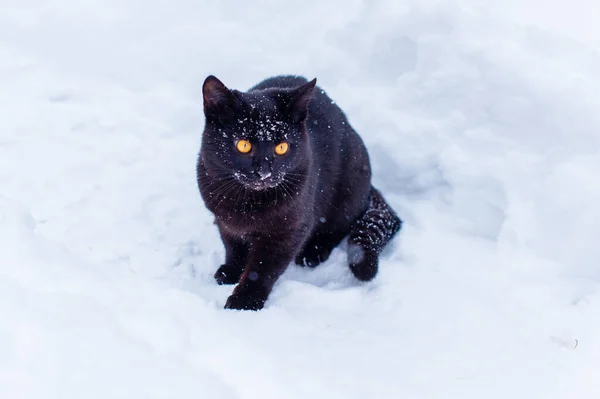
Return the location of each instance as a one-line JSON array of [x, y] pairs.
[[289, 193], [209, 184], [219, 185], [241, 189], [225, 195], [222, 190]]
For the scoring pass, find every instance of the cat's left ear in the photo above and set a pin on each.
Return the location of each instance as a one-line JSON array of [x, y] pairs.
[[299, 98]]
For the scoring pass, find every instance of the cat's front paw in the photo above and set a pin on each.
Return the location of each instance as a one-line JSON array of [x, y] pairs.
[[313, 256], [228, 274], [242, 301]]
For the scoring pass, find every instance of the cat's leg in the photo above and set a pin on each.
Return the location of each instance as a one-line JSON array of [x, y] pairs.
[[236, 253], [267, 260], [318, 247], [369, 235]]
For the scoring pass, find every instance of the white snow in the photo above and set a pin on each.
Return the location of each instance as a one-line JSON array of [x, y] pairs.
[[483, 127]]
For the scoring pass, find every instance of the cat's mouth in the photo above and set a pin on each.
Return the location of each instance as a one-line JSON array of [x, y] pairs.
[[262, 183]]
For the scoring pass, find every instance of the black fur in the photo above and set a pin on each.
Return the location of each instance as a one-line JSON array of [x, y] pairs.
[[273, 209]]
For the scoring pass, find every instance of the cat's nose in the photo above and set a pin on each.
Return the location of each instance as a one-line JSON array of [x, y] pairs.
[[264, 172]]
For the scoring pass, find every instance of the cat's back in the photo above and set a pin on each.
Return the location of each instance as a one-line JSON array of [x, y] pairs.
[[321, 105], [280, 82]]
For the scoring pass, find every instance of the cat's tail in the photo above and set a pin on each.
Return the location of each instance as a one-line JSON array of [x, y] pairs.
[[369, 235]]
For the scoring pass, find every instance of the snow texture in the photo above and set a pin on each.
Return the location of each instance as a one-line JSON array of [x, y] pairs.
[[483, 128]]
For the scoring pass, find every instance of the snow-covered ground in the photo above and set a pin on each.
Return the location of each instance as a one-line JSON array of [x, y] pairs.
[[483, 125]]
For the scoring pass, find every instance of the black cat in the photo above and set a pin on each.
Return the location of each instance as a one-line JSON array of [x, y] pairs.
[[287, 178]]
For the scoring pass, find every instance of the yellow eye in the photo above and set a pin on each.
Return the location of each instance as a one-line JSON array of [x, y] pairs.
[[282, 148], [243, 146]]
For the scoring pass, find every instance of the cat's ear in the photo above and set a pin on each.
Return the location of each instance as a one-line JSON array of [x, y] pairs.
[[217, 97], [299, 98]]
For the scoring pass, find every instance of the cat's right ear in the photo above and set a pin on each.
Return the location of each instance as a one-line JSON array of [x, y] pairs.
[[218, 99], [298, 106]]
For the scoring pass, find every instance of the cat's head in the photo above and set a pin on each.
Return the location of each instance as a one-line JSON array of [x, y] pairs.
[[258, 138]]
